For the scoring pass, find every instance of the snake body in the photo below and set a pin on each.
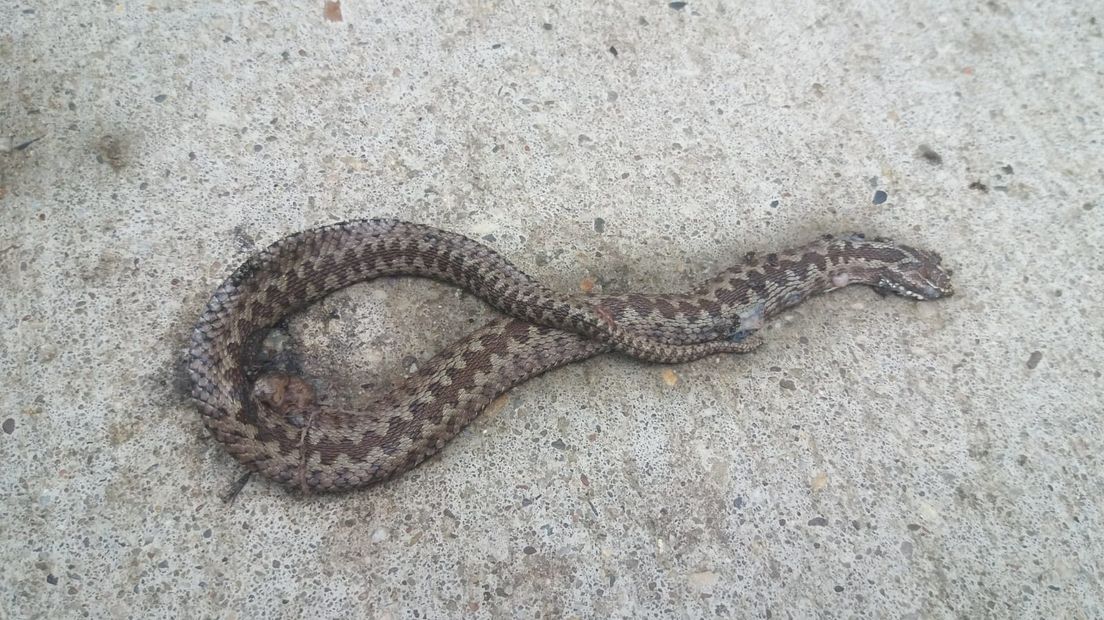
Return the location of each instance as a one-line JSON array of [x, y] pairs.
[[273, 424]]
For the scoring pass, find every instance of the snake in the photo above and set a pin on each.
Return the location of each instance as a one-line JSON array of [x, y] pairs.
[[272, 421]]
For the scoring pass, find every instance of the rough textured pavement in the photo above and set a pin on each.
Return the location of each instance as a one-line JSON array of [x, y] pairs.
[[876, 458]]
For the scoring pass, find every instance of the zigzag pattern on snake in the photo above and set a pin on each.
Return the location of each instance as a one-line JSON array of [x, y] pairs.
[[274, 425]]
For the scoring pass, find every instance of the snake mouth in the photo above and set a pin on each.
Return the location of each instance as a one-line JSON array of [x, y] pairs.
[[918, 276], [919, 288]]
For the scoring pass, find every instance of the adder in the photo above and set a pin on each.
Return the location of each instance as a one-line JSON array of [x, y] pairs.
[[273, 423]]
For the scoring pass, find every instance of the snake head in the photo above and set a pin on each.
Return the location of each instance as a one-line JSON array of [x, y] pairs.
[[917, 275]]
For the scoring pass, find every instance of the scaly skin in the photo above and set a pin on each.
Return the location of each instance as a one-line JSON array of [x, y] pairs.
[[275, 426]]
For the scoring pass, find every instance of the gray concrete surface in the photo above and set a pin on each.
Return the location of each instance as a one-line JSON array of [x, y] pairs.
[[877, 458]]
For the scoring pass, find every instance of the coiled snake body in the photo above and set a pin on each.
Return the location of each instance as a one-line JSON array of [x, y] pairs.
[[273, 424]]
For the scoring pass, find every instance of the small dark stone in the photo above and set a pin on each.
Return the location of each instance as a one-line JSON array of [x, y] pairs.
[[191, 155], [838, 588], [599, 225], [160, 98], [9, 426], [913, 527], [678, 6], [559, 444], [529, 550], [1032, 361], [207, 533], [546, 26], [786, 384], [51, 579], [1088, 206], [489, 237], [496, 46], [739, 503], [257, 148], [1006, 169], [818, 521], [774, 203], [613, 50], [930, 156], [880, 197], [163, 564], [981, 187]]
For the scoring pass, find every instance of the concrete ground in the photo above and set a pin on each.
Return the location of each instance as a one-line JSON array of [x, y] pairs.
[[877, 458]]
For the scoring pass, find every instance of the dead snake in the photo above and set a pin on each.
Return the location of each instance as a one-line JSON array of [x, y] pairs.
[[273, 424]]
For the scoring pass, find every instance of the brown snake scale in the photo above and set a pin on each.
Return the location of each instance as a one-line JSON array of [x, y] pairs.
[[273, 425]]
